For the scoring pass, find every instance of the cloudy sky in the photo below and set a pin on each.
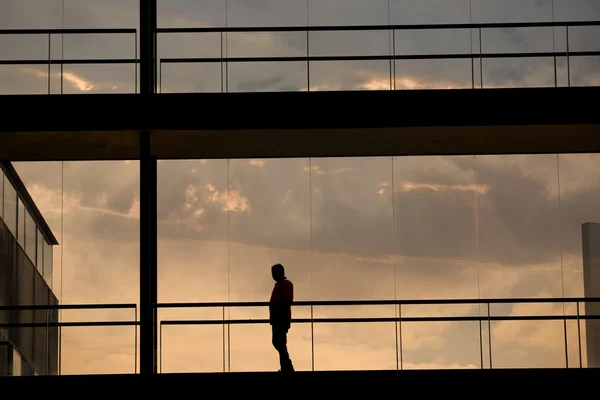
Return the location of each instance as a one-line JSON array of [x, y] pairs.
[[374, 228]]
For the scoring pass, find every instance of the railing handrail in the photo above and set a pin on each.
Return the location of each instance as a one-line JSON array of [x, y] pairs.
[[309, 303], [59, 31], [382, 57], [476, 318], [377, 27], [69, 306]]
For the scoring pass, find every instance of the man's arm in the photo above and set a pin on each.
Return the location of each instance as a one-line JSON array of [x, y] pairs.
[[288, 294]]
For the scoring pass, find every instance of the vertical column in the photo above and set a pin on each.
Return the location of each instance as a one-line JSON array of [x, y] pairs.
[[148, 211]]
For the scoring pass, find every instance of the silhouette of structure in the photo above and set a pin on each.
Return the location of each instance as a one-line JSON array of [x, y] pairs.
[[591, 288], [28, 342]]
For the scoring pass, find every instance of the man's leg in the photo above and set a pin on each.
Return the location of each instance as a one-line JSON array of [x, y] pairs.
[[280, 344]]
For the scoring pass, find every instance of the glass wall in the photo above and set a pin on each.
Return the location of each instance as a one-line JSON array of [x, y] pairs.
[[406, 228]]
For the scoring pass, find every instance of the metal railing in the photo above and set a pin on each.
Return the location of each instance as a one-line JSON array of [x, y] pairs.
[[79, 61], [484, 320], [398, 320], [62, 324], [392, 57]]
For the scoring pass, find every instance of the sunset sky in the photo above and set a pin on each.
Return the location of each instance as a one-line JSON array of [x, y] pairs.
[[345, 229]]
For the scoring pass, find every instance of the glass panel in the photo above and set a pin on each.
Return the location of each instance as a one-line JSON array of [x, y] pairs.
[[17, 367], [519, 255], [435, 242], [576, 10], [40, 251], [580, 222], [271, 13], [186, 14], [511, 11], [584, 71], [191, 78], [30, 237], [99, 78], [344, 12], [21, 224], [404, 12], [48, 264], [350, 75], [193, 264], [267, 77], [269, 223], [10, 206], [518, 72], [352, 259], [23, 79], [100, 13]]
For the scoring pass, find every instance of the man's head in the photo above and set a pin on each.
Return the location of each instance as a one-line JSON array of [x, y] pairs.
[[277, 272]]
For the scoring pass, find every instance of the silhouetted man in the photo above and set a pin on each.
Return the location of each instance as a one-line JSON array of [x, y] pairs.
[[280, 315]]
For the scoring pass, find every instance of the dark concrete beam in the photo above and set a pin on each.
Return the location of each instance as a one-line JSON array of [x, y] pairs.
[[494, 121]]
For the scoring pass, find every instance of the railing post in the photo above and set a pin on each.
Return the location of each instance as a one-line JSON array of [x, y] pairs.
[[223, 343], [489, 333], [135, 340], [312, 338], [480, 335], [400, 334], [566, 344], [579, 336], [568, 65], [46, 352], [396, 322], [49, 61], [481, 71]]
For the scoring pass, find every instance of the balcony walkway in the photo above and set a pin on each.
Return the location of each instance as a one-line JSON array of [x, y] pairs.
[[301, 124], [518, 379]]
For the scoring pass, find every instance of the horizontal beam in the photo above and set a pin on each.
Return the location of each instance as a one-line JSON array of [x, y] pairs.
[[83, 31], [325, 28], [442, 56], [526, 300], [81, 61], [383, 320], [302, 124], [67, 324], [68, 307]]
